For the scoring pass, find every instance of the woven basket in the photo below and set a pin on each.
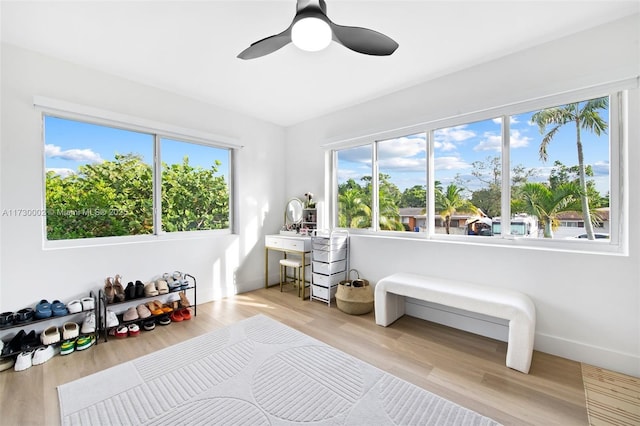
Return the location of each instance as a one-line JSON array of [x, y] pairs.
[[355, 300]]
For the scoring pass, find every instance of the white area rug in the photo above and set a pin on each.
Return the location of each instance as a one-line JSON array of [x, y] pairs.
[[255, 372]]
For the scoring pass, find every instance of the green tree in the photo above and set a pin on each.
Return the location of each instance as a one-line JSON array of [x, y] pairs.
[[585, 116], [546, 203], [353, 212], [416, 196], [450, 201]]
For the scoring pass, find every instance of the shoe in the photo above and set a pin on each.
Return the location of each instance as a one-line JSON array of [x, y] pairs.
[[6, 363], [149, 325], [58, 308], [74, 306], [112, 319], [179, 278], [130, 291], [184, 302], [165, 309], [43, 310], [109, 291], [23, 315], [118, 290], [67, 347], [134, 330], [88, 304], [164, 320], [186, 314], [43, 354], [50, 336], [162, 286], [85, 342], [15, 344], [139, 289], [70, 330], [30, 341], [23, 361], [176, 316], [89, 323], [143, 311], [150, 289], [6, 318], [131, 314], [120, 332]]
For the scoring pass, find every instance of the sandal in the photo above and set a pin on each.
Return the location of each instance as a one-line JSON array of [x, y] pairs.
[[184, 302], [173, 284], [118, 289], [109, 292], [155, 310], [164, 308], [186, 314]]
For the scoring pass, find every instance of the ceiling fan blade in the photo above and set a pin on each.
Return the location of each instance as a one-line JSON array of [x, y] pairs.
[[363, 40], [267, 45]]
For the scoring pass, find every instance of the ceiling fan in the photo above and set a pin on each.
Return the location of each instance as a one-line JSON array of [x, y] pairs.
[[312, 30]]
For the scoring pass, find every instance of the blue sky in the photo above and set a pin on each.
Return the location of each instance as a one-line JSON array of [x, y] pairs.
[[70, 144], [456, 148]]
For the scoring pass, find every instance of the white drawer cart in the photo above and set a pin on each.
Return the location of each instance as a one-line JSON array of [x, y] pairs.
[[330, 263]]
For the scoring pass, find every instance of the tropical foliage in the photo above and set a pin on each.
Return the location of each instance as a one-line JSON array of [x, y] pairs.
[[115, 198]]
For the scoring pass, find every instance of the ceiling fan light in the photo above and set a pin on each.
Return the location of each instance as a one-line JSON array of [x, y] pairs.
[[311, 34]]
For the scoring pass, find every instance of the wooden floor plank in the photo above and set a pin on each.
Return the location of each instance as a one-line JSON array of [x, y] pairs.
[[464, 368]]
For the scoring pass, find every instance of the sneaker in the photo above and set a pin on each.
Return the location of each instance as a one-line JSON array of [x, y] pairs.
[[134, 330], [112, 319], [85, 342], [164, 320], [119, 332], [149, 325], [43, 354], [23, 361], [89, 323], [67, 347]]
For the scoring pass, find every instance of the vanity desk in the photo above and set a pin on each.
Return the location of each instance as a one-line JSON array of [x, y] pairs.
[[288, 244]]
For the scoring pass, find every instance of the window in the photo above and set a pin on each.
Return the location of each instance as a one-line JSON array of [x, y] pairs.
[[543, 174], [100, 181]]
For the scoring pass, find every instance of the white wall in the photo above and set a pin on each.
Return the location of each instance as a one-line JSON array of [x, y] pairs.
[[588, 305], [223, 265]]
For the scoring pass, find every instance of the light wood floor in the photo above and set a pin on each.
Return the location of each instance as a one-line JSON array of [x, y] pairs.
[[459, 366]]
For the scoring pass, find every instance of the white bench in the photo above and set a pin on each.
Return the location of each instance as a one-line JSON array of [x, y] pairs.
[[516, 307]]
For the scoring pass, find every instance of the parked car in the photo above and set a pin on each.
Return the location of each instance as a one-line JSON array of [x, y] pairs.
[[597, 235]]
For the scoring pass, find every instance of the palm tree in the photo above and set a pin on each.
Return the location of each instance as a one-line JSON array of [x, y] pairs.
[[450, 201], [353, 212], [584, 116], [545, 202]]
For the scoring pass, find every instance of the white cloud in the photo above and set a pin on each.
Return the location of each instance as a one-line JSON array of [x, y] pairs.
[[512, 120], [62, 172], [450, 163], [81, 155], [490, 142], [518, 140], [402, 147], [446, 139], [404, 164]]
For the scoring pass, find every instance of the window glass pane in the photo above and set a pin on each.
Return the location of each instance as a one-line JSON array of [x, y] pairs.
[[402, 190], [354, 187], [550, 145], [195, 186], [467, 162], [98, 180]]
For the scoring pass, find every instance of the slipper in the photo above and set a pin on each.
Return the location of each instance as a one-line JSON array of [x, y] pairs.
[[70, 330], [50, 336], [143, 311], [176, 316], [186, 314], [173, 284], [43, 310], [165, 309], [23, 315], [162, 286], [58, 308], [88, 304], [6, 318], [155, 310], [74, 306], [150, 289], [131, 314], [139, 289]]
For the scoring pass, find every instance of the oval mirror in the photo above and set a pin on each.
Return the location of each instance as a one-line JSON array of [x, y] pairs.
[[293, 212]]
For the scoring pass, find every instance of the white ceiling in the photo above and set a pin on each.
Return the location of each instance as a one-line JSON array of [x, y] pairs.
[[190, 47]]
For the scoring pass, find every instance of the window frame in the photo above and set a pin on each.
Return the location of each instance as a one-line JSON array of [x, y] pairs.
[[158, 131], [618, 120]]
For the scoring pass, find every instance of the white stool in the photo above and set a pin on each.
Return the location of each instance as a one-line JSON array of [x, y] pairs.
[[297, 272]]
